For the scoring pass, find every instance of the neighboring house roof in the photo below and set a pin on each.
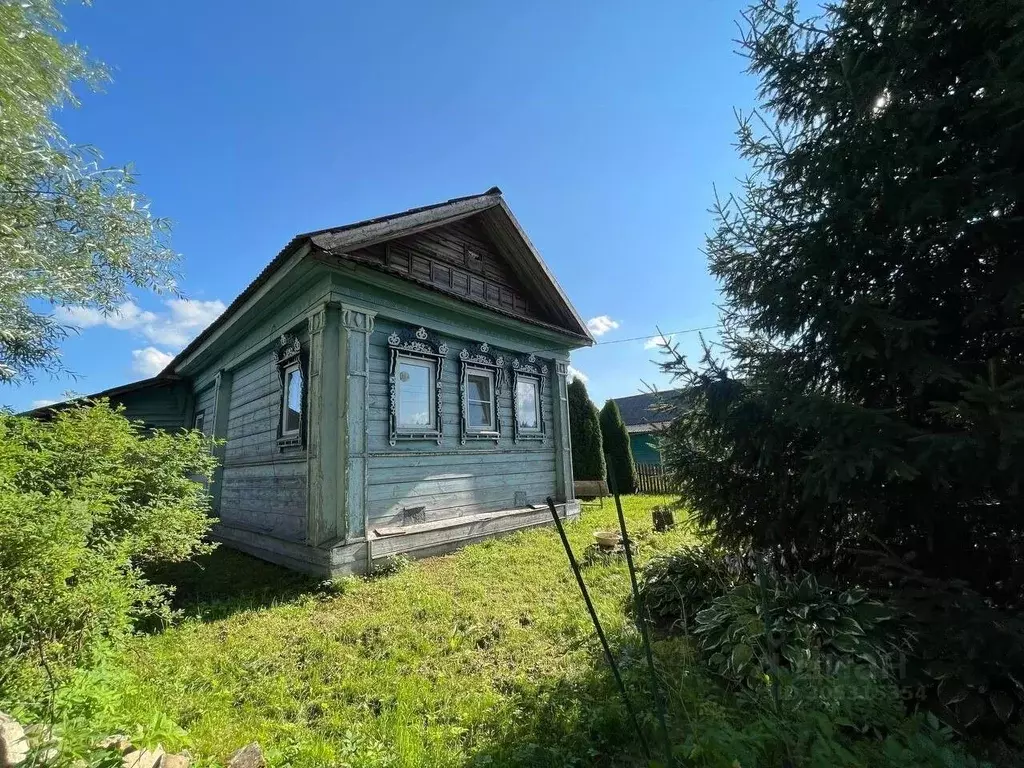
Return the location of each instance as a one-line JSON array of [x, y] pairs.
[[498, 220], [641, 413], [161, 380]]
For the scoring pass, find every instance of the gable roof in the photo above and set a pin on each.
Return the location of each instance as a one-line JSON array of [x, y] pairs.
[[498, 222], [645, 412]]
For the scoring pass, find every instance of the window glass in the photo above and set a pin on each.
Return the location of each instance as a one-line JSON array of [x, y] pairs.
[[200, 421], [292, 401], [479, 400], [415, 394], [527, 404]]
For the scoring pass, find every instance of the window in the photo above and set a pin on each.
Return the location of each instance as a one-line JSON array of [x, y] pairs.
[[415, 393], [528, 404], [200, 422], [480, 405], [291, 403], [416, 371]]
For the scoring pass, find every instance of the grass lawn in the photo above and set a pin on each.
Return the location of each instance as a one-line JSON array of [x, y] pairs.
[[483, 657]]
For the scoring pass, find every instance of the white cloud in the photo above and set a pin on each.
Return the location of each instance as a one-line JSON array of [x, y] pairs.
[[573, 373], [657, 342], [601, 324], [43, 403], [150, 361], [175, 327]]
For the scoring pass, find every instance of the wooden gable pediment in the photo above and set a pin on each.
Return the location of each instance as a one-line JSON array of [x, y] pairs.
[[461, 259]]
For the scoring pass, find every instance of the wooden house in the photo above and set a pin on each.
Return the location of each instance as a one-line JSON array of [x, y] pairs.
[[394, 386], [644, 416]]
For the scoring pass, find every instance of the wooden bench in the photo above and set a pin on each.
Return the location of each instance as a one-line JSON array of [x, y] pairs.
[[590, 489]]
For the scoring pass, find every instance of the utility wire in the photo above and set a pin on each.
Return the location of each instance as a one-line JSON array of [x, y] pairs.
[[666, 335]]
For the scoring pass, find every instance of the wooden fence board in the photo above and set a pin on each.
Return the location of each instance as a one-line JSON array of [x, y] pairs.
[[651, 478]]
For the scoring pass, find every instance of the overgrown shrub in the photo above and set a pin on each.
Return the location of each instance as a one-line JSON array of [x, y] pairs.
[[676, 586], [619, 454], [87, 501], [585, 430], [773, 625]]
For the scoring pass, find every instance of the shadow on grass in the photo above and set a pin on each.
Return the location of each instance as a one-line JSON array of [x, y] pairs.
[[225, 582], [580, 721]]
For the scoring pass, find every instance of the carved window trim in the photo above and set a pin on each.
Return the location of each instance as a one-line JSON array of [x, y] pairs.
[[290, 357], [421, 345], [535, 370], [480, 359]]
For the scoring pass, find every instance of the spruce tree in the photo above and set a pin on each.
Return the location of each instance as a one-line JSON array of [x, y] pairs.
[[617, 449], [874, 294], [585, 433]]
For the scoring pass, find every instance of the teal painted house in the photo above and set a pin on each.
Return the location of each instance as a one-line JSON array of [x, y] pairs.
[[392, 386], [644, 415]]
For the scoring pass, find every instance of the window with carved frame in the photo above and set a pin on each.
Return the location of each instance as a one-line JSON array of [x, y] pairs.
[[415, 392], [529, 376], [291, 370], [482, 382]]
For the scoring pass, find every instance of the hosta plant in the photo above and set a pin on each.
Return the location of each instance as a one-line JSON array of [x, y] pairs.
[[777, 624], [674, 587]]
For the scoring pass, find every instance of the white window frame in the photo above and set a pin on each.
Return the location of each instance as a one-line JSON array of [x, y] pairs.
[[535, 382], [286, 373], [489, 429], [535, 371], [431, 366]]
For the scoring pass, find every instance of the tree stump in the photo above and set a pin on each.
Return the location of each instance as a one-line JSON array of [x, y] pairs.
[[663, 519]]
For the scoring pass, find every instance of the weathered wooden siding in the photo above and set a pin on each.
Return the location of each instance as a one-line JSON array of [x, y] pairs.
[[206, 402], [263, 488], [450, 480], [160, 407]]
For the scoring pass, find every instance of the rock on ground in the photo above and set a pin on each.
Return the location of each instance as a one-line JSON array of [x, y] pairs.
[[13, 742], [143, 758], [174, 761], [249, 756]]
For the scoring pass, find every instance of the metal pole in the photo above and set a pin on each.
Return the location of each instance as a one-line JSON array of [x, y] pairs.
[[597, 626], [641, 615]]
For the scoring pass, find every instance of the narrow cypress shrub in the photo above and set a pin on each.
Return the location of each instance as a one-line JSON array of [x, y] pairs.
[[585, 432], [616, 446]]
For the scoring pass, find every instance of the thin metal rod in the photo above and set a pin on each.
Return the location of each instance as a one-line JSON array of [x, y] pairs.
[[641, 615], [597, 626]]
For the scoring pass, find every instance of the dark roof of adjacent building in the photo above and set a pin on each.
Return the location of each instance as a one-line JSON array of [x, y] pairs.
[[641, 413], [45, 411]]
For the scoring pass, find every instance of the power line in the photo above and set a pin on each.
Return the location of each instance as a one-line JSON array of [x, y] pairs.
[[666, 335]]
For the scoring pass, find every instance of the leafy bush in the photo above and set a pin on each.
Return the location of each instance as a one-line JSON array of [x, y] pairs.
[[87, 501], [587, 450], [819, 721], [619, 454], [774, 625], [676, 586]]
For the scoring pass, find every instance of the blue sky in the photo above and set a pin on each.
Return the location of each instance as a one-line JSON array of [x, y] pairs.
[[605, 125]]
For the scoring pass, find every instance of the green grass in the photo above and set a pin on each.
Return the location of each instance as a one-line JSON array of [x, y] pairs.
[[483, 657]]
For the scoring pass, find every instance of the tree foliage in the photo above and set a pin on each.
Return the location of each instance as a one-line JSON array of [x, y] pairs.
[[585, 432], [617, 449], [86, 502], [71, 231], [871, 377]]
